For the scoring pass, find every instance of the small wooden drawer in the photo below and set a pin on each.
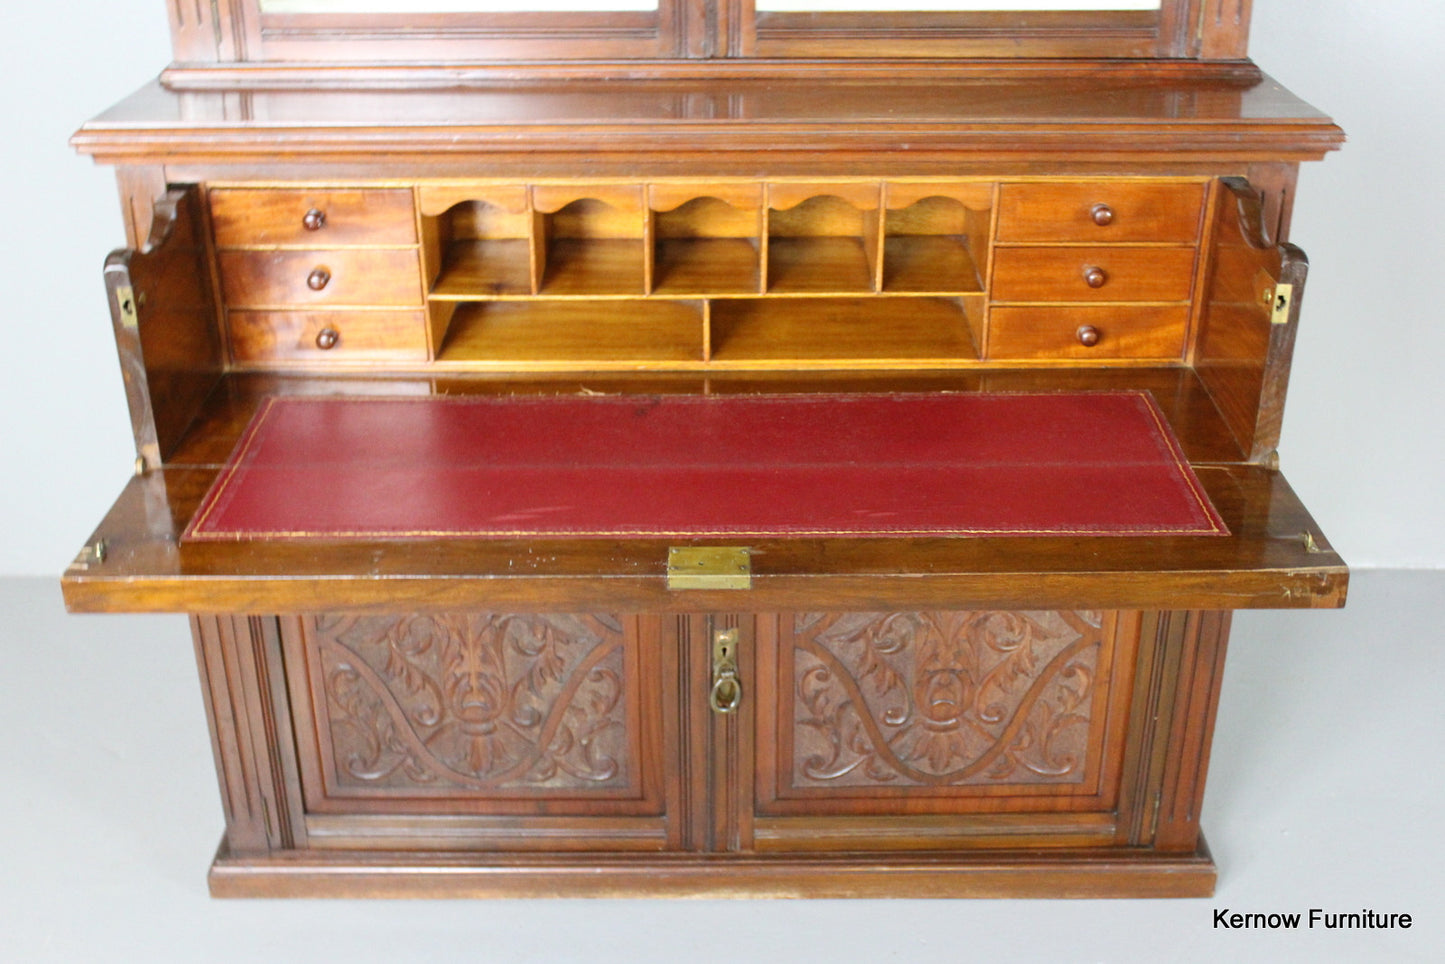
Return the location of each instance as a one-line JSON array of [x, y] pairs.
[[1104, 273], [267, 336], [252, 218], [264, 279], [1095, 211], [1082, 332]]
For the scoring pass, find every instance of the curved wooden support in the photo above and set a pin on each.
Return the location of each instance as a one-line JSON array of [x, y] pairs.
[[1252, 292], [163, 316]]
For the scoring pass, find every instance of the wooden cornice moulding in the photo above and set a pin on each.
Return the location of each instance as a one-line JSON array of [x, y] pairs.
[[1182, 124], [183, 76]]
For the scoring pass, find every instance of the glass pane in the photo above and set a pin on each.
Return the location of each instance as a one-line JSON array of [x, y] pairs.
[[915, 6], [453, 6]]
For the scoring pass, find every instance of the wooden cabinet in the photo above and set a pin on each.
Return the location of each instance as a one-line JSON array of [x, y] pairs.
[[724, 206], [855, 735]]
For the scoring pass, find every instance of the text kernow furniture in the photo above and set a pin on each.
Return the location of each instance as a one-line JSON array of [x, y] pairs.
[[711, 448]]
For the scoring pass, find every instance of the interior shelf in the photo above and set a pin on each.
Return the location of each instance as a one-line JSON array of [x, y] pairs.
[[706, 266], [576, 333], [853, 330], [595, 266], [925, 263], [495, 268], [822, 265]]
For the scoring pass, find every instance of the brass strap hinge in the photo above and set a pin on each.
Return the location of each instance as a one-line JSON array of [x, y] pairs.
[[709, 567]]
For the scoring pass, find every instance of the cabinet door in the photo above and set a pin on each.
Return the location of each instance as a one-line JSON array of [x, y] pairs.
[[480, 730], [928, 730]]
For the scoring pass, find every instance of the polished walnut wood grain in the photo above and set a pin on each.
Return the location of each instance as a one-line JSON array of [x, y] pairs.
[[1082, 332], [1078, 873], [929, 263], [952, 706], [706, 266], [574, 334], [487, 267], [1242, 356], [840, 331], [705, 199], [320, 278], [320, 218], [1092, 274], [471, 712], [1026, 121], [1264, 562], [258, 337], [164, 320], [1100, 211], [240, 663]]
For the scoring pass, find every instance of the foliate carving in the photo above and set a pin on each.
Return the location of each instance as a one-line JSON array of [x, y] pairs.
[[483, 701], [943, 698]]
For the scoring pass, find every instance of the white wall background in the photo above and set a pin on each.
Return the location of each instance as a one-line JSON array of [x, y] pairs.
[[1362, 441]]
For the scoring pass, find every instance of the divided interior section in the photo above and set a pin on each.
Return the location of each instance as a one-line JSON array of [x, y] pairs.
[[708, 244], [727, 273], [590, 240], [823, 238], [576, 333], [730, 272], [936, 237], [484, 247], [852, 332]]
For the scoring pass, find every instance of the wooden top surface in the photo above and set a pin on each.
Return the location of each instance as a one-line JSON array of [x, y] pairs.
[[1102, 110], [1266, 561]]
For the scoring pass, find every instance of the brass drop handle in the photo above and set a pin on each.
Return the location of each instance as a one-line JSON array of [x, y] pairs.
[[318, 278], [1088, 335], [314, 219], [327, 338], [727, 690], [1095, 276], [1102, 215]]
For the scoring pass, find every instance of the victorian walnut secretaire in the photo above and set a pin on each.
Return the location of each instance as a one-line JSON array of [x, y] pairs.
[[708, 446]]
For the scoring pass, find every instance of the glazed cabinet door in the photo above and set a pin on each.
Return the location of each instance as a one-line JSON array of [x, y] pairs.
[[940, 730], [481, 730]]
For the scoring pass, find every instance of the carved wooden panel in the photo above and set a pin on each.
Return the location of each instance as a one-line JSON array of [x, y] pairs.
[[944, 705], [463, 707]]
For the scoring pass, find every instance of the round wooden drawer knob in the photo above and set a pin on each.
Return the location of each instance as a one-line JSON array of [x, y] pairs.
[[1088, 335], [318, 278], [327, 338], [1095, 277], [314, 220], [1102, 215]]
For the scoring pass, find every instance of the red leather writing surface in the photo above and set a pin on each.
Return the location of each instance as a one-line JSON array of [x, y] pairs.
[[680, 466]]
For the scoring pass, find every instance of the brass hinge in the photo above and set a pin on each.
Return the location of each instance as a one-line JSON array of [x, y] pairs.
[[125, 301], [1280, 300], [709, 567]]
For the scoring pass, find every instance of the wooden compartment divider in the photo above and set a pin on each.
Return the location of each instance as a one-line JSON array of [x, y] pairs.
[[803, 273]]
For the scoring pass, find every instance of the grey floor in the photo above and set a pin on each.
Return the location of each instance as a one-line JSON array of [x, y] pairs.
[[1325, 791]]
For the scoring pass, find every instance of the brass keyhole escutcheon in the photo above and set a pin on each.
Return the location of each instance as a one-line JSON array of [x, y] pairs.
[[726, 694]]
